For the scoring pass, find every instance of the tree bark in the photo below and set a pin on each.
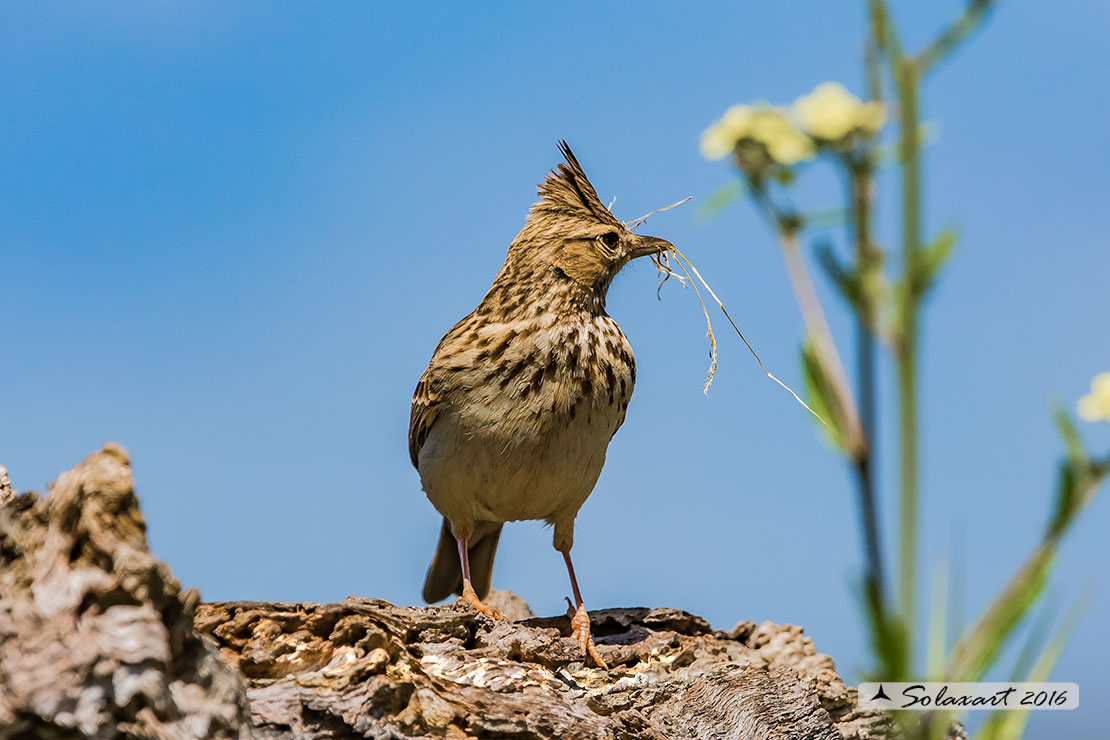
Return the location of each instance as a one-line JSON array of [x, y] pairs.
[[97, 640], [7, 493], [96, 636]]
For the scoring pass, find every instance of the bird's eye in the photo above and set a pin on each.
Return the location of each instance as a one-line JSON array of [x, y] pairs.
[[610, 239]]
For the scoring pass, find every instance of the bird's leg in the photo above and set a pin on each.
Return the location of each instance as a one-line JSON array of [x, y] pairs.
[[468, 594], [580, 620]]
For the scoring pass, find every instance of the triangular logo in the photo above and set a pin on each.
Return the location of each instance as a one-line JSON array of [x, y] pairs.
[[880, 695]]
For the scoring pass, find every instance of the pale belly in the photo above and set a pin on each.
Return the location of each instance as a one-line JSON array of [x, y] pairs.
[[477, 468], [527, 439]]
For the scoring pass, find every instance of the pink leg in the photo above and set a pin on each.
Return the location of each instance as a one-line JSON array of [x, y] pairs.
[[580, 622], [468, 594]]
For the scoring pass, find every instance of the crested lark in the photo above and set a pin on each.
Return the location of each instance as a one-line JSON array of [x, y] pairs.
[[513, 416]]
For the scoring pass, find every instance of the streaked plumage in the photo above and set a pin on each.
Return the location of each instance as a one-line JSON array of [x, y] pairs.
[[513, 416]]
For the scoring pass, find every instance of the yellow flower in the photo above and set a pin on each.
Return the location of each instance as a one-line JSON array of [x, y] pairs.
[[762, 124], [786, 144], [831, 113], [1096, 405], [720, 139]]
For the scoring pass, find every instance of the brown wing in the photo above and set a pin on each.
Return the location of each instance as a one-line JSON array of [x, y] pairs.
[[425, 411], [433, 389]]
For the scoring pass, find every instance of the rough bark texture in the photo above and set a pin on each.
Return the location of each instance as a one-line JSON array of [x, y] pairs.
[[96, 637], [366, 668], [7, 493], [96, 640]]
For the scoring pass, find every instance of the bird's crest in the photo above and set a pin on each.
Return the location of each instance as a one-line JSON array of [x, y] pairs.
[[568, 191]]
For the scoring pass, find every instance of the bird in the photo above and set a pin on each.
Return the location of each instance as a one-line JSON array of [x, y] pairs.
[[513, 416]]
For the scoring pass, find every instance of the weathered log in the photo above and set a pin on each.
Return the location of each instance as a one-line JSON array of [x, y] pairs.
[[96, 636], [365, 668], [7, 493], [96, 640]]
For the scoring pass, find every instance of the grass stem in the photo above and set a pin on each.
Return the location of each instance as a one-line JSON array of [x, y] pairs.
[[907, 82]]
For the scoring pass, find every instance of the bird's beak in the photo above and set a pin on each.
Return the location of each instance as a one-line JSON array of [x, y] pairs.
[[645, 245]]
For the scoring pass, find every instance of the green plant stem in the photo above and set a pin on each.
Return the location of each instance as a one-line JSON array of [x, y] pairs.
[[867, 263], [907, 82], [817, 326], [950, 38], [818, 329], [883, 31]]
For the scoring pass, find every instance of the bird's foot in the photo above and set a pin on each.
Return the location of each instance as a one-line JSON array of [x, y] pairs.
[[470, 597], [580, 629]]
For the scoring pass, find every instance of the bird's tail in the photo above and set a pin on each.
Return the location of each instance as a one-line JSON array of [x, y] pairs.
[[445, 573]]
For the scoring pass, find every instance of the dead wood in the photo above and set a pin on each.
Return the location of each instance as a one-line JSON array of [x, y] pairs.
[[96, 640], [96, 636]]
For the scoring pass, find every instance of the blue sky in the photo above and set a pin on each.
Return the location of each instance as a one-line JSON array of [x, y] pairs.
[[231, 235]]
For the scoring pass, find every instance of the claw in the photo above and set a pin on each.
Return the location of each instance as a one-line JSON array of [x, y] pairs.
[[580, 627], [471, 598]]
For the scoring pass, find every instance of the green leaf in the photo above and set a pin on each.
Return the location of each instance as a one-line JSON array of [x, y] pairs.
[[719, 200], [1010, 725], [1066, 500], [1035, 641], [888, 637], [1043, 669], [846, 280], [1079, 477], [1073, 443], [932, 258], [819, 392], [979, 648], [936, 641]]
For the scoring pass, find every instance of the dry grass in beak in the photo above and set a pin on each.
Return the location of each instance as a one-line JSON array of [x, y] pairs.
[[641, 219], [663, 266]]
